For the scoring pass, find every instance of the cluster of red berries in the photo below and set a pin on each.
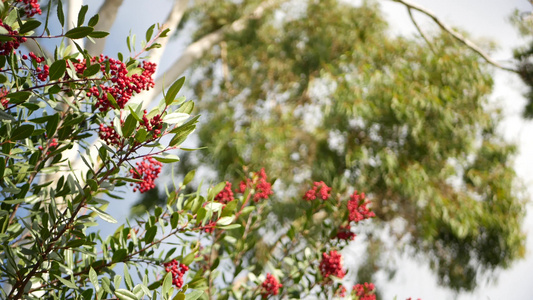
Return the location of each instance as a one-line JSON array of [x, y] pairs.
[[42, 73], [110, 136], [270, 286], [154, 125], [263, 188], [331, 265], [7, 47], [51, 145], [3, 100], [178, 270], [323, 191], [345, 233], [364, 291], [341, 292], [122, 86], [357, 206], [31, 7], [147, 170], [226, 195], [209, 227]]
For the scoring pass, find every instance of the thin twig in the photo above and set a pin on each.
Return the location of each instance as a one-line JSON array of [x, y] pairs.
[[455, 34]]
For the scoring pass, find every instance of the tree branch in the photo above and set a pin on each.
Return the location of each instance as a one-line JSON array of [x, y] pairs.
[[455, 34], [198, 49], [107, 16]]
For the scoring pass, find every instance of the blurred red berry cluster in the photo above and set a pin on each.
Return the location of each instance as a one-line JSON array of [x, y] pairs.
[[7, 47], [226, 195], [319, 188], [331, 265], [270, 286], [357, 206], [364, 291]]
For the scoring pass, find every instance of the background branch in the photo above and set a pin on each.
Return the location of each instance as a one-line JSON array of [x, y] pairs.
[[455, 34]]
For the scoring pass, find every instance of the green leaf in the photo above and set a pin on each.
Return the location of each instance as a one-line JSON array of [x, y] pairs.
[[167, 283], [134, 114], [91, 70], [189, 177], [174, 219], [98, 34], [187, 260], [60, 14], [93, 21], [127, 277], [179, 138], [29, 26], [6, 116], [230, 226], [176, 118], [102, 214], [22, 132], [194, 294], [173, 90], [225, 221], [140, 136], [93, 277], [112, 100], [187, 107], [129, 125], [119, 255], [167, 158], [123, 294], [57, 69], [18, 97], [150, 234], [79, 32], [81, 14], [67, 283], [51, 125]]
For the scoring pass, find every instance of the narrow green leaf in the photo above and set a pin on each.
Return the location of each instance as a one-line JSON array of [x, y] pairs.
[[79, 32], [189, 177], [173, 90], [67, 283], [127, 278], [176, 118], [129, 125], [93, 277], [123, 294], [98, 34], [167, 283], [22, 132], [102, 214], [149, 33], [167, 159], [60, 14], [29, 26], [174, 219], [81, 14], [6, 116], [225, 221], [194, 294], [112, 100], [51, 125], [187, 260], [230, 226], [57, 69], [150, 234], [93, 21]]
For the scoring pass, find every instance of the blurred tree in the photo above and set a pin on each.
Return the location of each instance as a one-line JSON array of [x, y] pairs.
[[322, 85]]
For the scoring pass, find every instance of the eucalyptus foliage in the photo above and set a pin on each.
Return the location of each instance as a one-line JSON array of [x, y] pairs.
[[320, 89]]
